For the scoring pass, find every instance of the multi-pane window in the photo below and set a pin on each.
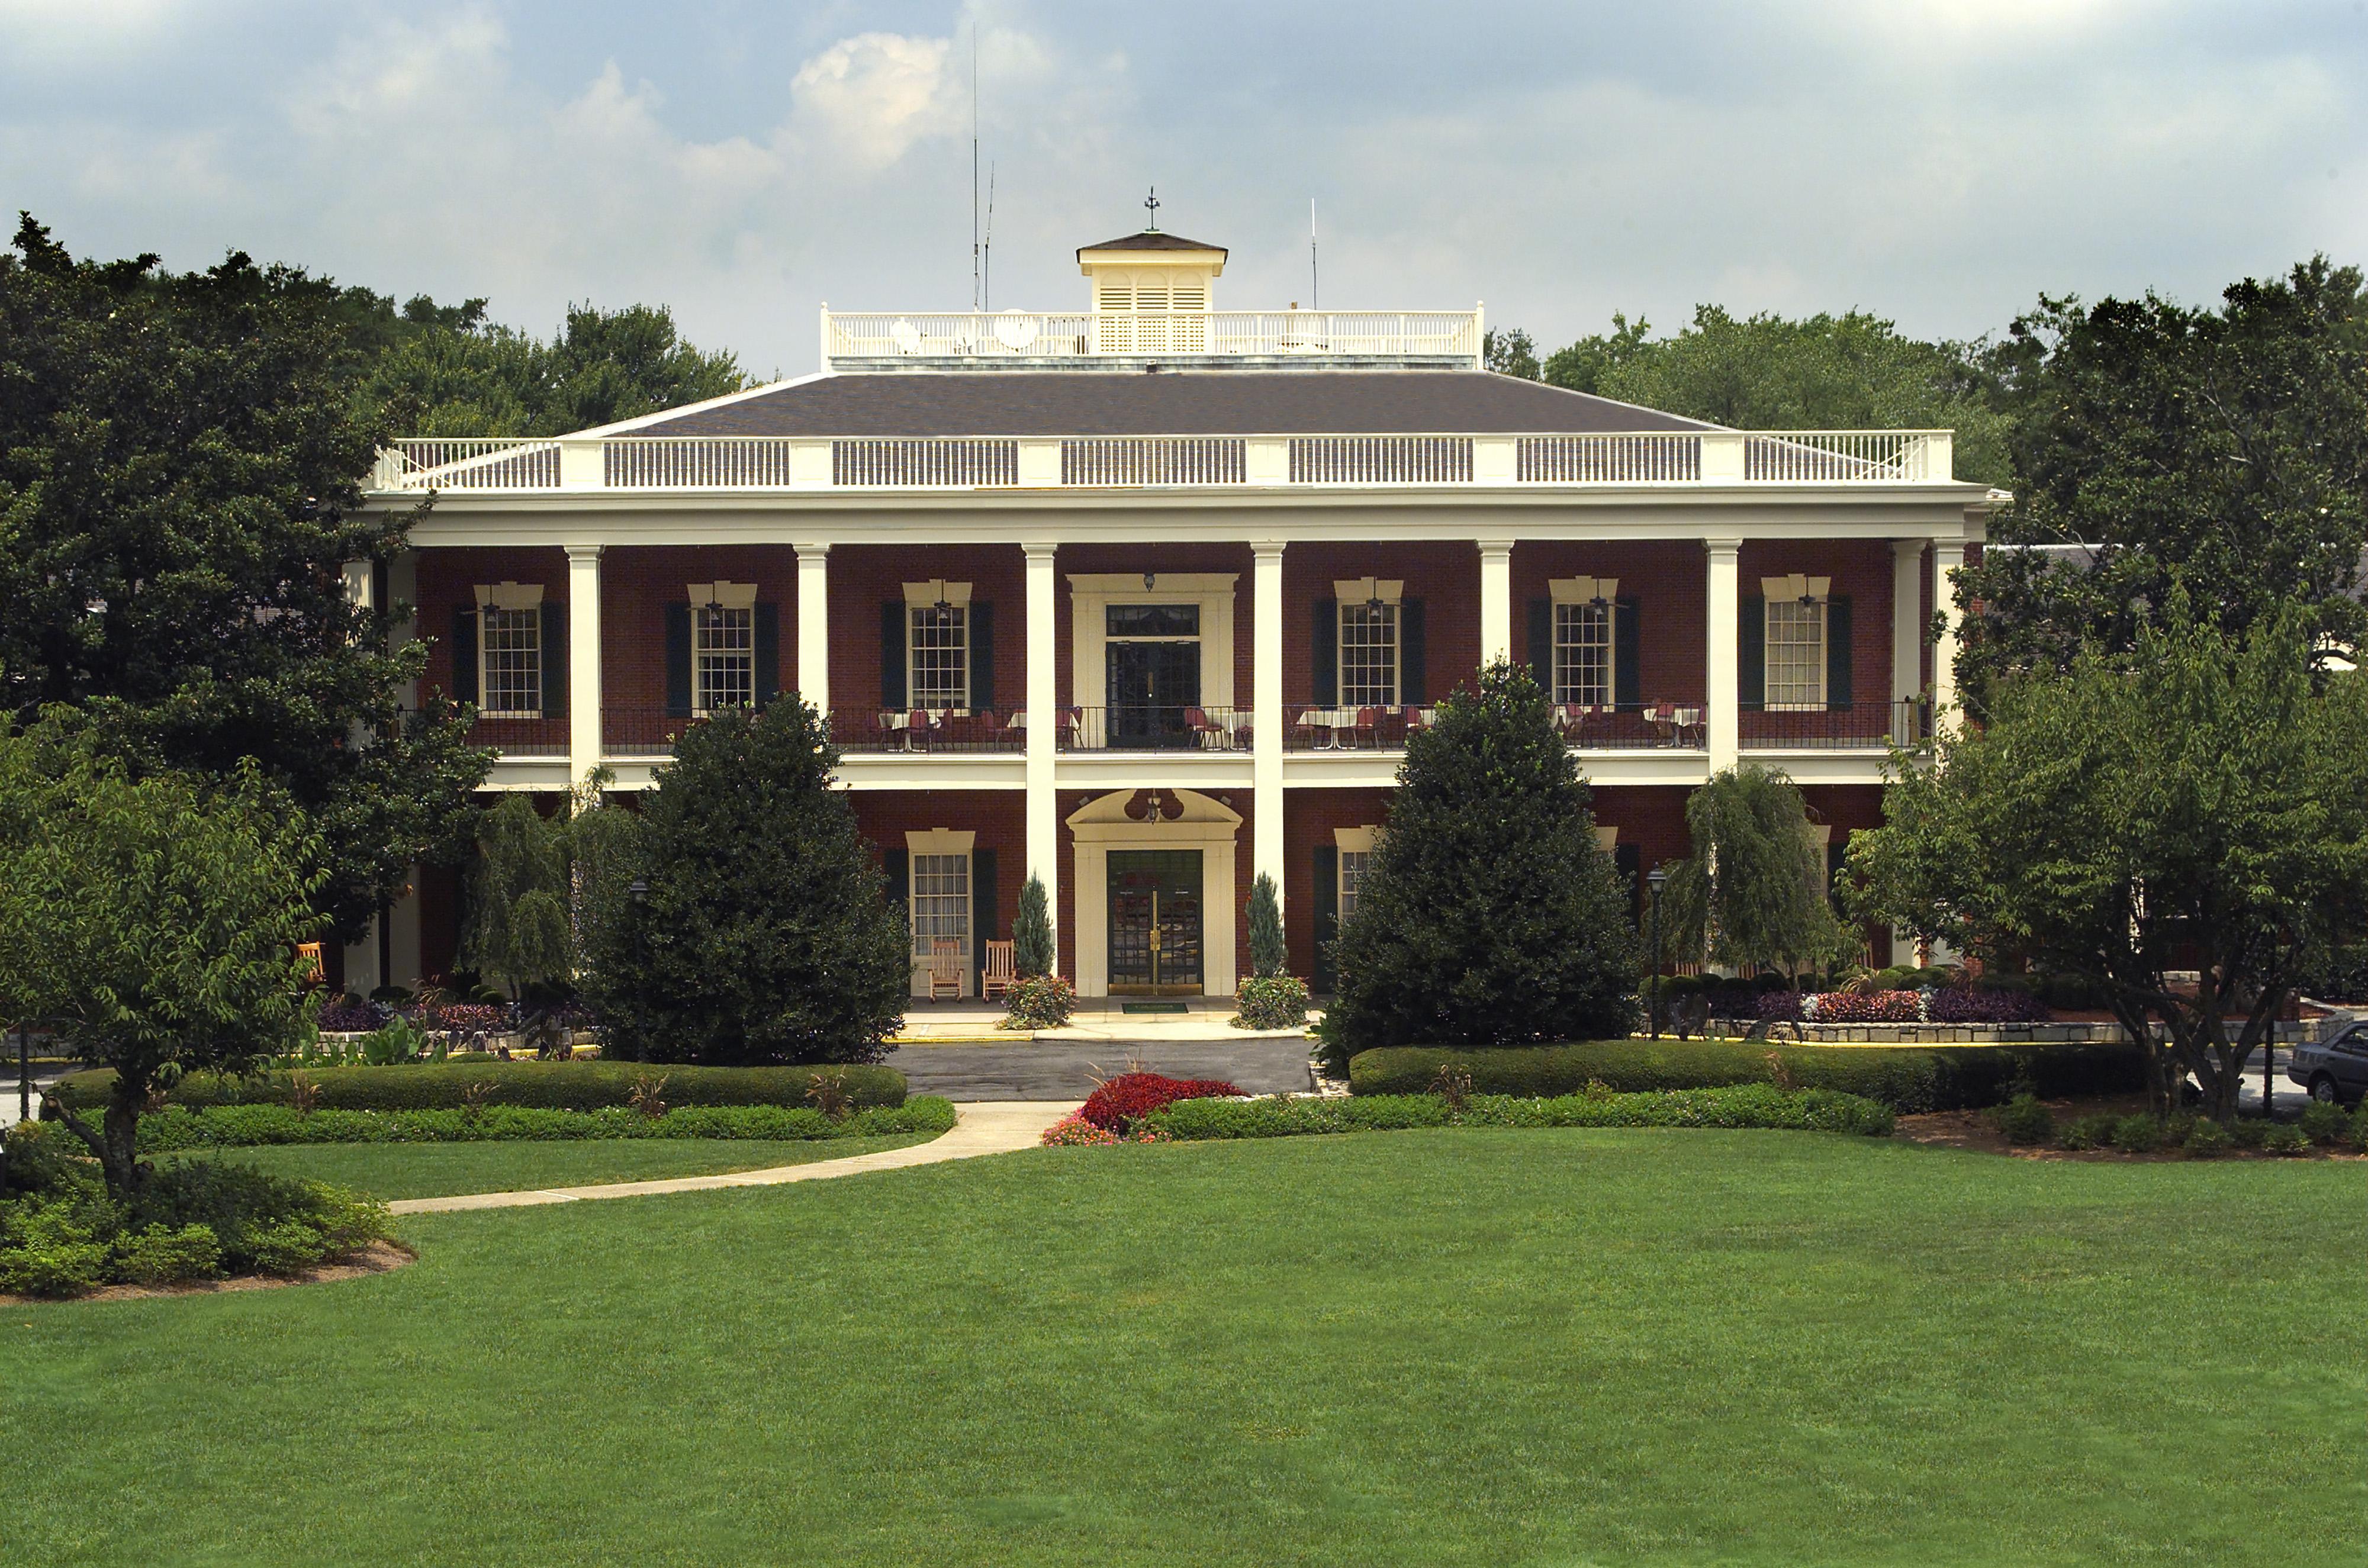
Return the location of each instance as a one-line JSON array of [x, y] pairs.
[[723, 656], [1796, 654], [1369, 655], [509, 644], [938, 655], [1352, 873], [941, 901], [1582, 654]]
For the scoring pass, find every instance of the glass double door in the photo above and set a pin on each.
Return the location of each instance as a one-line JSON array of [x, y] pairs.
[[1155, 921], [1152, 668]]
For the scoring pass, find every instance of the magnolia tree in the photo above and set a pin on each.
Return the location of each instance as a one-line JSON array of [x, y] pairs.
[[1488, 914], [2196, 807], [152, 924]]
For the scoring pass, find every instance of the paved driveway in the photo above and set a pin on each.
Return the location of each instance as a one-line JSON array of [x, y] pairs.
[[1066, 1070]]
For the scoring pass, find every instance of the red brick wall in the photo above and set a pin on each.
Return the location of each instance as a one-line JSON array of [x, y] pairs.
[[998, 816], [1651, 816], [1445, 575], [1669, 581], [1134, 560], [864, 577], [1859, 568], [1309, 816]]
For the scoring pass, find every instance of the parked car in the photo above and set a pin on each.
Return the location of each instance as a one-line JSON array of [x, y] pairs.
[[2336, 1070]]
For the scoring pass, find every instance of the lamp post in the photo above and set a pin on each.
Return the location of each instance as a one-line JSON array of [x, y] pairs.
[[1657, 879]]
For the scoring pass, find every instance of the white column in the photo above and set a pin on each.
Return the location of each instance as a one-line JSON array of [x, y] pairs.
[[1947, 556], [1907, 629], [1495, 599], [1266, 722], [1043, 731], [582, 660], [1723, 723], [814, 626]]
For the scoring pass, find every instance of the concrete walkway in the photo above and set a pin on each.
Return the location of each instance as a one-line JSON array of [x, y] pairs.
[[984, 1127]]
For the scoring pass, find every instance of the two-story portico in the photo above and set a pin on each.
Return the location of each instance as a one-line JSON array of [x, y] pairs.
[[1144, 600]]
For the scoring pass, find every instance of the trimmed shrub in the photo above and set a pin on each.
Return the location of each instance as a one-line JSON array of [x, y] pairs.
[[1038, 1002], [244, 1125], [1874, 1007], [2091, 1132], [2207, 1139], [1747, 1106], [2139, 1134], [2251, 1132], [1984, 1004], [1909, 1078], [165, 1254], [2323, 1123], [552, 1085], [1131, 1096], [2286, 1140], [2025, 1121], [1272, 1002]]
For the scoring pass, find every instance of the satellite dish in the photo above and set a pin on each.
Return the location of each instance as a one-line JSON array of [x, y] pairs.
[[905, 336], [1015, 330]]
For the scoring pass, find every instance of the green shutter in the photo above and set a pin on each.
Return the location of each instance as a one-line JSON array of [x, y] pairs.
[[1837, 650], [982, 657], [1414, 655], [677, 660], [1327, 911], [1627, 655], [1542, 644], [1324, 665], [1628, 860], [892, 656], [981, 915], [897, 865], [464, 655], [1751, 652], [554, 659], [769, 653]]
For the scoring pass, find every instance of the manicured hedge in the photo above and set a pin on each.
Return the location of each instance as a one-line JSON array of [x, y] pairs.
[[1749, 1105], [549, 1086], [237, 1126], [1905, 1078]]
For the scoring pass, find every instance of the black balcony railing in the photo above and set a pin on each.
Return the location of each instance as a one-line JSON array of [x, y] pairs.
[[1859, 726], [928, 730], [1631, 726], [1149, 726], [522, 738], [1307, 727]]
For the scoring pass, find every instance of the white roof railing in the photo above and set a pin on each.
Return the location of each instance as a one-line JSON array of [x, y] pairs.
[[1079, 339], [1647, 459]]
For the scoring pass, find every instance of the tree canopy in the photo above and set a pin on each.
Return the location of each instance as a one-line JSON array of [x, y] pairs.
[[2194, 808], [469, 378], [180, 462], [2160, 446], [152, 923], [1488, 915]]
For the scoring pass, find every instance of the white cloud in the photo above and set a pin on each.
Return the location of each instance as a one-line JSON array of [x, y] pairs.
[[869, 98]]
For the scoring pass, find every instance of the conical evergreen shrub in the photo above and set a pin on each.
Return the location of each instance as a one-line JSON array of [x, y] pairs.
[[1031, 934], [1269, 956], [764, 934], [1487, 915]]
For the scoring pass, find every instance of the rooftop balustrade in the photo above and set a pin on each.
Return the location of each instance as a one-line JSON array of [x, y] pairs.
[[877, 340], [1657, 459]]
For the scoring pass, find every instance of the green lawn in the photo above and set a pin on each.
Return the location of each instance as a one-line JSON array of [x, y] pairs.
[[1472, 1347], [435, 1170]]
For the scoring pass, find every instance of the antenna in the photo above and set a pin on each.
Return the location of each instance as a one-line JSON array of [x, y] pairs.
[[1152, 202], [1314, 296], [977, 270], [986, 264]]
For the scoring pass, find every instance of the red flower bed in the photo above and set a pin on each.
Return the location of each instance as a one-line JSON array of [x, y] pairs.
[[1131, 1096]]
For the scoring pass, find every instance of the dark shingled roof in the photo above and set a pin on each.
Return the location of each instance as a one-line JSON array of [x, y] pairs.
[[1170, 402], [1152, 239]]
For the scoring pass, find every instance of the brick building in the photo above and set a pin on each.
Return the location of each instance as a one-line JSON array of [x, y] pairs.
[[1146, 597]]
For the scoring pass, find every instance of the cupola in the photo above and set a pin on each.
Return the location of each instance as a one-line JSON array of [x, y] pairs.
[[1151, 272]]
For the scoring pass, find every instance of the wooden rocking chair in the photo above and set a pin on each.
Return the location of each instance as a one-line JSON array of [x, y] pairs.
[[1002, 969], [945, 967]]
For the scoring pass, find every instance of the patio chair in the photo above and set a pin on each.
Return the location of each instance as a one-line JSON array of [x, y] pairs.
[[1206, 733], [1369, 726], [945, 967], [916, 730], [1002, 969]]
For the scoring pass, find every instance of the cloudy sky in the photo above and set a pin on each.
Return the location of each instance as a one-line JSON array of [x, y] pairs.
[[1941, 162]]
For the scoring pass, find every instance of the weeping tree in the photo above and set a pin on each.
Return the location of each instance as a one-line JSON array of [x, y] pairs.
[[1032, 934], [1753, 892], [2182, 824], [521, 892], [1488, 915]]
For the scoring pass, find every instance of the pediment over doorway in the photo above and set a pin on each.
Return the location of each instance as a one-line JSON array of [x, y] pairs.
[[1131, 808]]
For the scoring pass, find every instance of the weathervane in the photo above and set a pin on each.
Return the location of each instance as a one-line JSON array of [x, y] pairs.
[[1152, 202]]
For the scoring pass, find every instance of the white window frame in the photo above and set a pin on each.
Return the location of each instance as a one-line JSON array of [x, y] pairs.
[[1355, 856], [1361, 595], [929, 912], [1580, 628], [1795, 607], [922, 599], [723, 644], [509, 607]]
